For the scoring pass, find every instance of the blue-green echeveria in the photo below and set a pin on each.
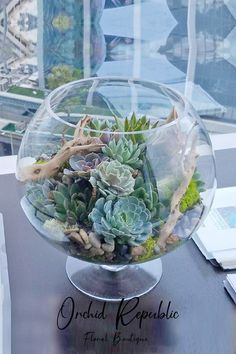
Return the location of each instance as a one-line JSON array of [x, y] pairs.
[[125, 151], [127, 221], [112, 178]]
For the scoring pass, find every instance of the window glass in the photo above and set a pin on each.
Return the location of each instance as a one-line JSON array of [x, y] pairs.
[[188, 44]]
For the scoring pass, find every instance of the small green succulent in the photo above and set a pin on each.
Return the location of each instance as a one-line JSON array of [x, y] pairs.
[[40, 196], [200, 184], [146, 189], [125, 151], [73, 203], [66, 203], [126, 220], [146, 192], [83, 164], [134, 125], [100, 125], [112, 178], [97, 126]]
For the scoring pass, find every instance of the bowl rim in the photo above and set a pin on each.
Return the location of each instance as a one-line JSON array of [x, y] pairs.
[[49, 98]]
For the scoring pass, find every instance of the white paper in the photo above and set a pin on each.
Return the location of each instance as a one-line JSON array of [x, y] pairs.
[[232, 280], [217, 240], [230, 285], [5, 303], [227, 259], [230, 290], [7, 164], [217, 237], [224, 197]]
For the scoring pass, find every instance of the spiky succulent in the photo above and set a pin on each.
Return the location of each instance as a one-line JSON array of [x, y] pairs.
[[73, 203], [126, 220], [86, 163], [97, 126], [125, 151], [112, 178], [134, 125]]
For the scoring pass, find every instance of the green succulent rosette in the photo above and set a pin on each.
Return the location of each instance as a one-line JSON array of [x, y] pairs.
[[70, 204], [126, 221], [125, 151], [146, 191], [112, 178]]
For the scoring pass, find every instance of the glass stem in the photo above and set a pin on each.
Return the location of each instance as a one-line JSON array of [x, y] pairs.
[[113, 268]]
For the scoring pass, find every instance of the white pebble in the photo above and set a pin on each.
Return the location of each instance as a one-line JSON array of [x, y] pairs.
[[96, 251], [84, 236], [157, 249], [138, 251], [107, 247], [94, 240]]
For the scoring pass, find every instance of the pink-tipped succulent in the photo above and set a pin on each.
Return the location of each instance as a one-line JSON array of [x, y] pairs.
[[85, 164]]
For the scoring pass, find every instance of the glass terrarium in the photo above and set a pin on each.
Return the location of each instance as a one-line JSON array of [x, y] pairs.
[[116, 173]]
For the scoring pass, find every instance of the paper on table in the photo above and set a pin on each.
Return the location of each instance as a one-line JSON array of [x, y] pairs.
[[227, 259], [216, 239], [5, 302], [224, 197], [230, 285], [232, 280]]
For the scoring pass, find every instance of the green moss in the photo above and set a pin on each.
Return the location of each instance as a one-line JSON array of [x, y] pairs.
[[40, 162], [191, 197], [149, 245]]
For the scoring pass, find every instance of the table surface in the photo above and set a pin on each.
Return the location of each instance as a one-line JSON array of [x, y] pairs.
[[38, 283]]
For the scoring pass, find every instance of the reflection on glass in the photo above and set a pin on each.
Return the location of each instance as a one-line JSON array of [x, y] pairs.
[[45, 44]]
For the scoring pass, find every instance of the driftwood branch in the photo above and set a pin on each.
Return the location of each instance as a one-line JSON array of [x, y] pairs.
[[172, 116], [175, 214], [79, 144]]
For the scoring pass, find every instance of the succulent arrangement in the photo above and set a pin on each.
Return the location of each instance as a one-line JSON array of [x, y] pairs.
[[84, 164], [125, 151], [112, 178], [127, 220], [99, 195]]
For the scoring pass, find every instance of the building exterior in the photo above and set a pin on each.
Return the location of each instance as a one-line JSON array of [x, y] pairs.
[[41, 39]]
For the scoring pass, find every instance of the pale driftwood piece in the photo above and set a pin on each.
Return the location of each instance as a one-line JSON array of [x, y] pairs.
[[172, 116], [69, 231], [175, 214], [78, 134], [79, 144]]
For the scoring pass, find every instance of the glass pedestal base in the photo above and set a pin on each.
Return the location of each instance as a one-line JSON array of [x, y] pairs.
[[113, 283]]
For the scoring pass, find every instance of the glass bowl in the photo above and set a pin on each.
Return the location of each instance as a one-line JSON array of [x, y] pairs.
[[116, 172]]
